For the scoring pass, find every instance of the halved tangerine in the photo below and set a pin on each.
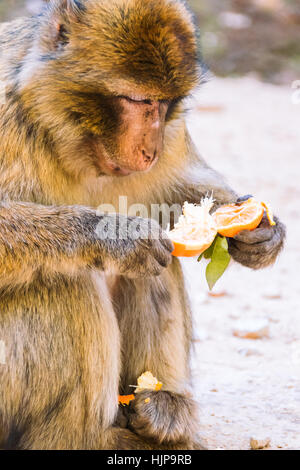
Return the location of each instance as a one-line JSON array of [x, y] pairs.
[[233, 218], [191, 248], [195, 230]]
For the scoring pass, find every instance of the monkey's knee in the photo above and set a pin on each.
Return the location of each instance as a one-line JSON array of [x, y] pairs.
[[166, 418]]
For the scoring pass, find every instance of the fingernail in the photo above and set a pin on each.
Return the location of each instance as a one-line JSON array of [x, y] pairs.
[[242, 199]]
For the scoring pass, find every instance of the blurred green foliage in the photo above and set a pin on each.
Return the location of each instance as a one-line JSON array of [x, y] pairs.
[[246, 36], [237, 36]]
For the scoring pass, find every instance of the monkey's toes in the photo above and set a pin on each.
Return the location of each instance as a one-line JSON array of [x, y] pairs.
[[164, 417]]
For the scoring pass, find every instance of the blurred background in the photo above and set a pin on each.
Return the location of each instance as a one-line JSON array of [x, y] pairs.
[[246, 123], [238, 36]]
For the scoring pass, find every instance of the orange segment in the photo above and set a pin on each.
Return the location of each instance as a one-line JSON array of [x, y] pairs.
[[233, 218]]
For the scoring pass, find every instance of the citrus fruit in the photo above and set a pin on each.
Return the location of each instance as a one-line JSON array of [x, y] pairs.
[[195, 230], [233, 218]]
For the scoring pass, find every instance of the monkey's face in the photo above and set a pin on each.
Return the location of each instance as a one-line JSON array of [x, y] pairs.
[[132, 135], [117, 72], [137, 142]]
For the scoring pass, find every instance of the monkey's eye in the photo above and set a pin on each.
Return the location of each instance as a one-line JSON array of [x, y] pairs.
[[133, 99]]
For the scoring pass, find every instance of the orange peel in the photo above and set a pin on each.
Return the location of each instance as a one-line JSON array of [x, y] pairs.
[[126, 399]]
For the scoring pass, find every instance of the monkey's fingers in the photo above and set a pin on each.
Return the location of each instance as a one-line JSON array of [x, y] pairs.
[[264, 245], [161, 254], [242, 199], [167, 244], [264, 232]]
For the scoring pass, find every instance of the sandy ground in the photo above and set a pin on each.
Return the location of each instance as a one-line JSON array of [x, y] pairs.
[[250, 387]]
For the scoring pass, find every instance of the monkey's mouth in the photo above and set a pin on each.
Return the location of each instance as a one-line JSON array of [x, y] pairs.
[[105, 163], [122, 164], [110, 168]]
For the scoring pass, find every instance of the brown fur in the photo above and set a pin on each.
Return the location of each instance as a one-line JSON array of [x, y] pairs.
[[73, 339]]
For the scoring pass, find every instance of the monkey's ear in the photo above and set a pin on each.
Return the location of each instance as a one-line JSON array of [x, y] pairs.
[[61, 14]]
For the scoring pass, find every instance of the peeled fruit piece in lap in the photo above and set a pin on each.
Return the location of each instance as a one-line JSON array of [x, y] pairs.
[[146, 381]]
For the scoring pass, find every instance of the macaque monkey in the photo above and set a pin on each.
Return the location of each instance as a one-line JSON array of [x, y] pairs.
[[93, 110]]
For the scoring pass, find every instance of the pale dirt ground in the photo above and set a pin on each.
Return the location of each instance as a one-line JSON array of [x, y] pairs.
[[250, 387]]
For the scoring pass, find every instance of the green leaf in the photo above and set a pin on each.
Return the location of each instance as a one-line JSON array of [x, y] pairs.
[[209, 252], [219, 261]]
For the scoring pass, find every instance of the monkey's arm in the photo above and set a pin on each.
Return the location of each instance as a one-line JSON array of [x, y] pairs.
[[256, 249], [35, 239]]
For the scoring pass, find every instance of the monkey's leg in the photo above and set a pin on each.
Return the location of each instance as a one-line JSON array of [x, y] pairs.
[[60, 381], [156, 330]]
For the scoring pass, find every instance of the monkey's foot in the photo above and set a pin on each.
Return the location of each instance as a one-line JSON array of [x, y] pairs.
[[165, 418]]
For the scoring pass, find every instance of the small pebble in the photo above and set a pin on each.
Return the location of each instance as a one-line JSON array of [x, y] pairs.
[[254, 329], [249, 352], [259, 444]]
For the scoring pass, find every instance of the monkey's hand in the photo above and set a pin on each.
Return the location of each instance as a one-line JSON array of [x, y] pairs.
[[164, 417], [140, 248], [259, 248]]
